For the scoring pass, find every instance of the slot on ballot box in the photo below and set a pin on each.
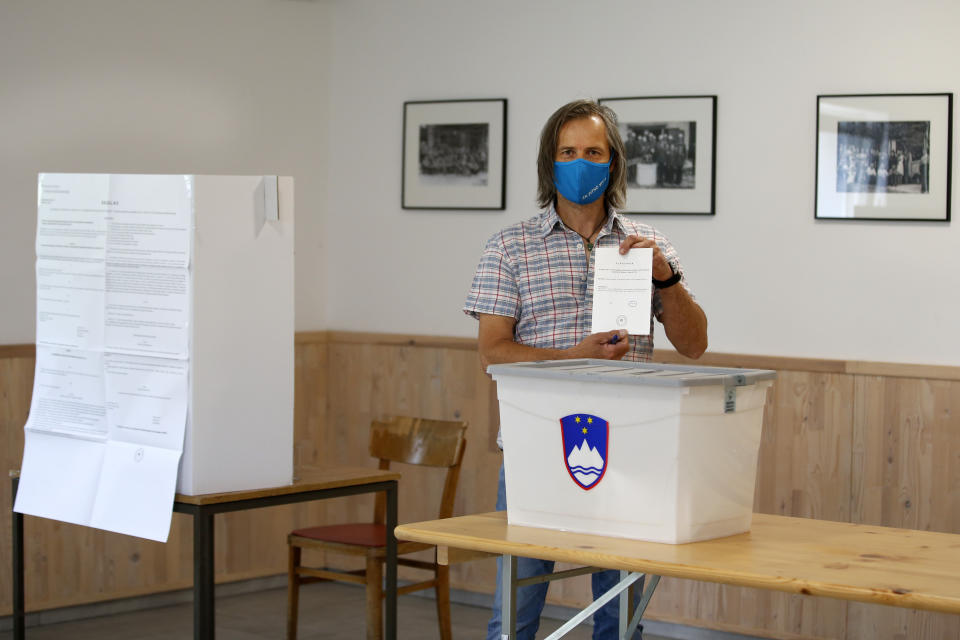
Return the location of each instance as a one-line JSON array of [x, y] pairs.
[[663, 453]]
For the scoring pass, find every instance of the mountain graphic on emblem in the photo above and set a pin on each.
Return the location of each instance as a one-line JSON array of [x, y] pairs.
[[585, 463]]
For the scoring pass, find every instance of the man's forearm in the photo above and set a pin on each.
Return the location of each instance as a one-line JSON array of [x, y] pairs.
[[505, 351], [684, 321]]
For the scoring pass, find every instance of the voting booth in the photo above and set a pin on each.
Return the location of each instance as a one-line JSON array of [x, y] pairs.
[[165, 345], [663, 453], [239, 432]]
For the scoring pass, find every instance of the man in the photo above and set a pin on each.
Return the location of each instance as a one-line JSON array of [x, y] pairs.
[[533, 292]]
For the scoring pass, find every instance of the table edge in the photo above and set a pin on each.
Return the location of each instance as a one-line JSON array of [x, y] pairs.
[[364, 477], [875, 595]]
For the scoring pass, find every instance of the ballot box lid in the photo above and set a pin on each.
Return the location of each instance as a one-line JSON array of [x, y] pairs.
[[640, 373]]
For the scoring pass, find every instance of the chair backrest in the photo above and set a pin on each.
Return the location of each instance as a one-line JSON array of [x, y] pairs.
[[420, 441]]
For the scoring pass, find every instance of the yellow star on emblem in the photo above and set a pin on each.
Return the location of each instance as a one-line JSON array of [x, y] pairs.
[[584, 431], [577, 419], [589, 420]]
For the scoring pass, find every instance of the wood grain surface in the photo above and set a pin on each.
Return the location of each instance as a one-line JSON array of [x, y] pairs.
[[883, 565]]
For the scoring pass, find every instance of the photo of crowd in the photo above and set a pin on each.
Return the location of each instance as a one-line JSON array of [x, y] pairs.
[[660, 155], [883, 157], [454, 154]]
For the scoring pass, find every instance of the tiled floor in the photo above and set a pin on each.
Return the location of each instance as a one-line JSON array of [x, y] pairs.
[[329, 611]]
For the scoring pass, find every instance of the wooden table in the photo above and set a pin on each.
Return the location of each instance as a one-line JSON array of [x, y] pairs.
[[311, 484], [898, 567]]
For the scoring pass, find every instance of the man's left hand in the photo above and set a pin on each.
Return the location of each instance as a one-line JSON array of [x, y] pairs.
[[682, 318], [661, 268]]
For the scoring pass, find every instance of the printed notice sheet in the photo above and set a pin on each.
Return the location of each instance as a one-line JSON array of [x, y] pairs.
[[105, 432], [622, 286]]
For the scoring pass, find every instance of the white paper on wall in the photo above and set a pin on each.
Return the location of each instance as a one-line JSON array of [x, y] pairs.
[[106, 425]]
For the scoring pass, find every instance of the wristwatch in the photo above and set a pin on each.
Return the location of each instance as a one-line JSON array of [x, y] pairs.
[[669, 282]]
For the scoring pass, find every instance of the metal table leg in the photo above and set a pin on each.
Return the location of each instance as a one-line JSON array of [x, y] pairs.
[[203, 597], [508, 589], [644, 601], [617, 589], [390, 615], [18, 600], [626, 601]]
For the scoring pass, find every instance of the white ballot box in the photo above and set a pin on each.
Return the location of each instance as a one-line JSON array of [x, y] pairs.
[[664, 453]]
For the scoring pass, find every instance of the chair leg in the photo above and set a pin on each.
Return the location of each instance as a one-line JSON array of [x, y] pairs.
[[443, 601], [374, 598], [293, 591]]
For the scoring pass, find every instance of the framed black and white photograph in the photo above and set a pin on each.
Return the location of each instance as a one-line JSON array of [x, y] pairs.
[[671, 145], [884, 157], [454, 154]]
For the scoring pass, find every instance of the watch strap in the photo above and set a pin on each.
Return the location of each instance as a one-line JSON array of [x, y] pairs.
[[669, 282]]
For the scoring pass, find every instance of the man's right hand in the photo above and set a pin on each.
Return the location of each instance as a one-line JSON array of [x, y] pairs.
[[602, 346], [496, 344]]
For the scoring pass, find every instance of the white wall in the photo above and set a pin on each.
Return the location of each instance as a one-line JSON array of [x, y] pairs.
[[315, 90], [173, 86], [771, 279]]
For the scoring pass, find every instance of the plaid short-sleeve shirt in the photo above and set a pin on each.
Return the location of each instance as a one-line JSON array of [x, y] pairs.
[[537, 272]]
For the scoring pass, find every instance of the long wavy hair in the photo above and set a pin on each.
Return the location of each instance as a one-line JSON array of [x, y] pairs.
[[616, 193]]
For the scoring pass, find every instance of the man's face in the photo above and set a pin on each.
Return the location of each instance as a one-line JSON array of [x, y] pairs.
[[583, 138]]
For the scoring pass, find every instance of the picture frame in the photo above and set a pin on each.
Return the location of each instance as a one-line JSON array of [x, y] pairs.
[[671, 144], [884, 157], [454, 154]]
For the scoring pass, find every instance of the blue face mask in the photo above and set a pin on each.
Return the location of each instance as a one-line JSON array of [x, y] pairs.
[[581, 181]]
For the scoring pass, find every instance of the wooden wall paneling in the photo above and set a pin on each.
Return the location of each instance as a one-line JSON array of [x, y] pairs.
[[678, 617], [16, 387], [352, 394], [907, 446], [254, 543], [69, 564], [906, 467], [804, 464], [173, 564], [310, 403]]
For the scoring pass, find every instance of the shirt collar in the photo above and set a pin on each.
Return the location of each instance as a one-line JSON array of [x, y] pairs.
[[550, 220]]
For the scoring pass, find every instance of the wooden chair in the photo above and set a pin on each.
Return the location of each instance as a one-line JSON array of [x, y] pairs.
[[435, 443]]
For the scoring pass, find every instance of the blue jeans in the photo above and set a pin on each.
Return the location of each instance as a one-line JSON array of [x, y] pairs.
[[530, 599]]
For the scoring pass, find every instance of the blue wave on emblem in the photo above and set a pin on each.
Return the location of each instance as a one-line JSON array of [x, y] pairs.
[[586, 476]]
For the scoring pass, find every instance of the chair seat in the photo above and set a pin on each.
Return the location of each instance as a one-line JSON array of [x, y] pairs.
[[365, 534]]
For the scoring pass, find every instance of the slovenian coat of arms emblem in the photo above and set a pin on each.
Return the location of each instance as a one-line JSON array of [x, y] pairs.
[[585, 439]]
